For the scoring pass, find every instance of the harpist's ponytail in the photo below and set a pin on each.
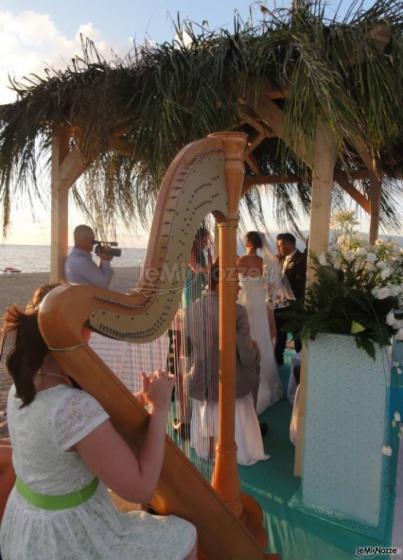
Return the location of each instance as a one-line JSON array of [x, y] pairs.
[[28, 353]]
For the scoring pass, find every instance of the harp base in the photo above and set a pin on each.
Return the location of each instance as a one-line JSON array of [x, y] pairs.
[[252, 517]]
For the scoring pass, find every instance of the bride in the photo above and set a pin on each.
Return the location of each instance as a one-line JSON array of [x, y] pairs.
[[256, 277]]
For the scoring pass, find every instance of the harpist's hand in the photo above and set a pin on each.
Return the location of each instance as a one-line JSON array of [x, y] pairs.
[[142, 395], [159, 389]]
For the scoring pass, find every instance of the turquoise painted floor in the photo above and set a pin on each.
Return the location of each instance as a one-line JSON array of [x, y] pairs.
[[293, 534]]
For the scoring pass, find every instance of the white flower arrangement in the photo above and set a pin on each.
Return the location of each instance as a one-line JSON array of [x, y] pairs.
[[380, 266], [372, 278], [357, 290]]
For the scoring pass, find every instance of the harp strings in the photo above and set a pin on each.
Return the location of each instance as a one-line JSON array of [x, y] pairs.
[[191, 425], [194, 319]]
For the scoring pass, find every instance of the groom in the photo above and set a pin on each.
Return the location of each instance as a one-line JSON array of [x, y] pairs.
[[293, 266]]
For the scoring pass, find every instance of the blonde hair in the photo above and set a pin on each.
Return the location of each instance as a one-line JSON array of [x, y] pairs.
[[38, 295]]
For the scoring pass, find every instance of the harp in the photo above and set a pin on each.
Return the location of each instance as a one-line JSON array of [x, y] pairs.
[[205, 177]]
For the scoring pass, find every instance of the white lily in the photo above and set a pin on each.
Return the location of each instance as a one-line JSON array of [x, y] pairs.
[[394, 290], [371, 257], [323, 259], [349, 256], [382, 293], [386, 272]]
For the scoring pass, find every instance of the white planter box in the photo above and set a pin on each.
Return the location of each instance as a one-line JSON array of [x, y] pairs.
[[345, 426]]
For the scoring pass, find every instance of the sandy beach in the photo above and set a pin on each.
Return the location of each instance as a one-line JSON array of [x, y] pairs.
[[18, 288]]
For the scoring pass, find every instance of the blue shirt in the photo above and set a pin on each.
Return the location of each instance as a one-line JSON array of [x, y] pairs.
[[79, 268]]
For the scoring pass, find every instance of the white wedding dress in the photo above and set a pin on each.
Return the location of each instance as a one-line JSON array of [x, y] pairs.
[[204, 425], [253, 297]]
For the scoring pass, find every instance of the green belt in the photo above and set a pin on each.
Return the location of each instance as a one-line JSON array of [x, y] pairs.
[[66, 501]]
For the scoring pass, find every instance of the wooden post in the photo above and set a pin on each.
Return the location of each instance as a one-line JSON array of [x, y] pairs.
[[67, 166], [375, 203], [322, 182], [59, 208]]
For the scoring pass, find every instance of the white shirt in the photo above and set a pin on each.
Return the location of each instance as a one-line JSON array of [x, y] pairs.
[[79, 268], [287, 260]]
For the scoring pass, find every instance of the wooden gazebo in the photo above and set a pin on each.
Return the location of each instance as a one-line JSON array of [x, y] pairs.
[[320, 100]]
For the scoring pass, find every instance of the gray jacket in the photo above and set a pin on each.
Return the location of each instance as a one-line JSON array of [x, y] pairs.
[[202, 329]]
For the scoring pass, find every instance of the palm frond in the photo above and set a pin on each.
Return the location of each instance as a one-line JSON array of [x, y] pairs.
[[346, 71]]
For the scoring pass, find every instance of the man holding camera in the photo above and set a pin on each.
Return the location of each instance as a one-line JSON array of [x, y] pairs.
[[79, 267]]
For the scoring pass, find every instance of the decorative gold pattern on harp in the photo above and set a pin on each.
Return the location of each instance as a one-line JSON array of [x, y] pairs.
[[206, 176]]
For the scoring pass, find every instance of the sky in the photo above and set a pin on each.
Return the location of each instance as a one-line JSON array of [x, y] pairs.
[[39, 33]]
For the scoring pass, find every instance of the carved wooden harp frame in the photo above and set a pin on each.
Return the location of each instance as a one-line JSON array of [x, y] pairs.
[[206, 176]]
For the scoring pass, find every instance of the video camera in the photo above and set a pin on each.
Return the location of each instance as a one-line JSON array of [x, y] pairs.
[[107, 248]]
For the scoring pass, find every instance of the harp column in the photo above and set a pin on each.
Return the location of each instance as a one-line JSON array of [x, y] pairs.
[[226, 477]]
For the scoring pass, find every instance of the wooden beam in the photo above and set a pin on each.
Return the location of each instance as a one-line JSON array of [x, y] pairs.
[[255, 143], [269, 112], [256, 180], [253, 164], [322, 182], [71, 168], [380, 34], [370, 163], [263, 132], [256, 124], [67, 167], [343, 180], [121, 146], [278, 93], [59, 207], [275, 92], [375, 198]]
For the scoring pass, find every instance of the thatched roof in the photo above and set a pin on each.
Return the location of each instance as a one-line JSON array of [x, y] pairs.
[[348, 73]]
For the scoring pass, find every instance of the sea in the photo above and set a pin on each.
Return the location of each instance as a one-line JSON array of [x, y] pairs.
[[36, 258]]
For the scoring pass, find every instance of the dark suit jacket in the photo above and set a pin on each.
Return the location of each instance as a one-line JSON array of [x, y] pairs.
[[296, 273], [202, 328]]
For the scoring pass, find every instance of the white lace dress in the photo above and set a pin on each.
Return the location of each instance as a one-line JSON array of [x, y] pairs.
[[253, 297], [41, 433]]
